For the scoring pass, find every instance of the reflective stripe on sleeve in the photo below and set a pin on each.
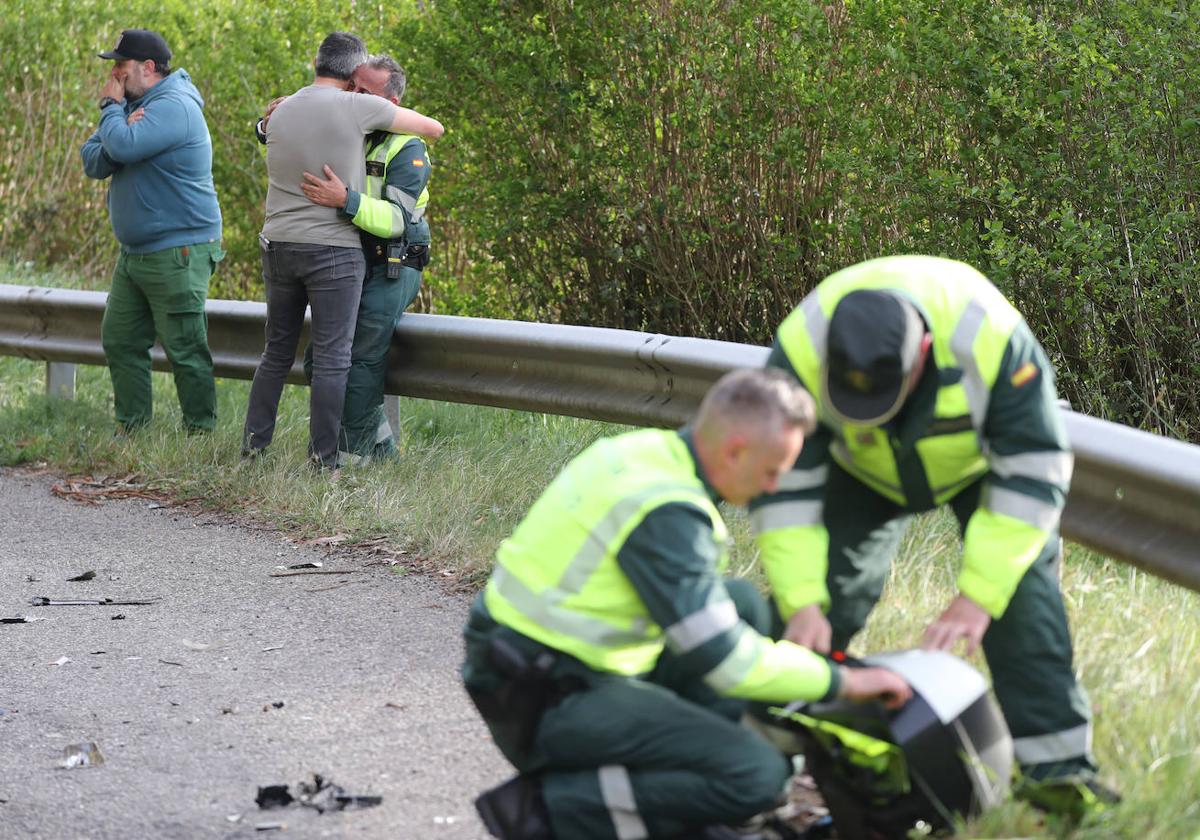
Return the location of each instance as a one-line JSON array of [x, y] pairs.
[[733, 668], [399, 196], [617, 790], [1052, 467], [693, 631], [1057, 746], [803, 479], [1041, 515], [787, 514]]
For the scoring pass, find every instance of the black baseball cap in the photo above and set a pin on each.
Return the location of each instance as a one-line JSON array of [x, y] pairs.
[[140, 45], [874, 341]]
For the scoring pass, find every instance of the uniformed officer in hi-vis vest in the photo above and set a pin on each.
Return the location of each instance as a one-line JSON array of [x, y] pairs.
[[611, 660], [390, 214], [931, 390]]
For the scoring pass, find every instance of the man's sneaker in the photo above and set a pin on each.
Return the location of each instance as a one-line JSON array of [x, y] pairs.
[[1070, 797]]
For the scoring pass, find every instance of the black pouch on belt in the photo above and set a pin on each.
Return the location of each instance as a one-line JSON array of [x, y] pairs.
[[515, 708]]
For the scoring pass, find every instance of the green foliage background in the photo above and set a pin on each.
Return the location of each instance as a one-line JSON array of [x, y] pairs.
[[695, 166]]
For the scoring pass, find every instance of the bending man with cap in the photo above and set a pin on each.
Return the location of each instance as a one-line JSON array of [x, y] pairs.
[[609, 658], [164, 212], [932, 390]]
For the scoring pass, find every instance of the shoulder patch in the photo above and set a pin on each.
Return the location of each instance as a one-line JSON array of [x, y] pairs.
[[418, 162], [1024, 373]]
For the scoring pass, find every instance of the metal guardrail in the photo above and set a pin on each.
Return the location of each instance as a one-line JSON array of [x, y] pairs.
[[1134, 496]]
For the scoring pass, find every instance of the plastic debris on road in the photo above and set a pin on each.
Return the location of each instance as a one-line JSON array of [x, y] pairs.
[[81, 755]]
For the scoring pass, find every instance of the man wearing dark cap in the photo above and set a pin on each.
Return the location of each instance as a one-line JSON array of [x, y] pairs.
[[932, 390], [153, 142]]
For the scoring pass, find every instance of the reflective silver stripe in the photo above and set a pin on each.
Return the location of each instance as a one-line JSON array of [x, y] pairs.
[[545, 607], [732, 670], [962, 343], [1041, 515], [790, 514], [1057, 746], [816, 323], [399, 196], [803, 479], [702, 625], [1053, 467], [545, 610], [585, 562], [617, 790]]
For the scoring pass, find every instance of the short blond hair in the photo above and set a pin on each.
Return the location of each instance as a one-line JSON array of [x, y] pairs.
[[757, 396]]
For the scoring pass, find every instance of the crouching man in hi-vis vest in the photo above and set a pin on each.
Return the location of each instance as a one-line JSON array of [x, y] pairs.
[[931, 390], [609, 658]]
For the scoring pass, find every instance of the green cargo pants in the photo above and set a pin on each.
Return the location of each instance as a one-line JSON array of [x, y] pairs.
[[1028, 648], [161, 294], [383, 301], [624, 757]]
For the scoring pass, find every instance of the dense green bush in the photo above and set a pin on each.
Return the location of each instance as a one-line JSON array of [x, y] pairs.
[[695, 166], [240, 55]]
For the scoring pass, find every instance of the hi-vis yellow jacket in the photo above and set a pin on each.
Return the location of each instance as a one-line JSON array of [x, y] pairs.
[[991, 415], [620, 559]]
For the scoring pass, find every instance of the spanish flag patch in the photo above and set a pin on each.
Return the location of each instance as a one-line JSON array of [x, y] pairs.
[[418, 162], [1024, 373]]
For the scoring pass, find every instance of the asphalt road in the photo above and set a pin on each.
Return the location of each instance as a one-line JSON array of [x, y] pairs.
[[180, 695]]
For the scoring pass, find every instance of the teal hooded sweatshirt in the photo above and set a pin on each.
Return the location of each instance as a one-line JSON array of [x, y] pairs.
[[162, 193]]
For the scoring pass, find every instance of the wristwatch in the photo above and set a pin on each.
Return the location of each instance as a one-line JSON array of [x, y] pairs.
[[105, 101]]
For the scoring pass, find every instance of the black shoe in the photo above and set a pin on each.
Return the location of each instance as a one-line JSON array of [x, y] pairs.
[[515, 810]]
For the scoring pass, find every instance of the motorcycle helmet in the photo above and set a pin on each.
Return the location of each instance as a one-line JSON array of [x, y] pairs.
[[945, 754]]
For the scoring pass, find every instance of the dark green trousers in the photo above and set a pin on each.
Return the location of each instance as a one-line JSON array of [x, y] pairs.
[[1028, 648], [632, 758], [382, 303], [161, 294]]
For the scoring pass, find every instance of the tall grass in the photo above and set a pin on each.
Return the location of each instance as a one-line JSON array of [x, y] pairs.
[[467, 475]]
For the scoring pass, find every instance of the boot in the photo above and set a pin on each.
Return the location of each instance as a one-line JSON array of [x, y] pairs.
[[515, 810]]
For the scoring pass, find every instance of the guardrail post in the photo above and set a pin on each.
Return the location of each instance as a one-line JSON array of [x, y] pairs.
[[60, 380], [391, 410]]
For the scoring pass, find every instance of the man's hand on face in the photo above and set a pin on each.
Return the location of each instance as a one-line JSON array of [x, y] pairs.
[[963, 619], [114, 85], [810, 628], [329, 193]]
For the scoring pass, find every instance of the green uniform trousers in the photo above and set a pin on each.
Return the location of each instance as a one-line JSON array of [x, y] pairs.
[[364, 425], [1028, 648], [628, 758], [161, 294]]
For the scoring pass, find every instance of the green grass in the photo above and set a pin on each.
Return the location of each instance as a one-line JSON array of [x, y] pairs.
[[468, 474]]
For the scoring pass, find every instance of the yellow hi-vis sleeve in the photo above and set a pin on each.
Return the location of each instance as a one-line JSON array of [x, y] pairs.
[[777, 672], [796, 561], [997, 551]]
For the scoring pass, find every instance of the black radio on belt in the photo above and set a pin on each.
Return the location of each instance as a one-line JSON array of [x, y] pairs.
[[402, 256]]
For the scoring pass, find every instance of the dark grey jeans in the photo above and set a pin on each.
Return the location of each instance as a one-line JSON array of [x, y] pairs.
[[329, 280]]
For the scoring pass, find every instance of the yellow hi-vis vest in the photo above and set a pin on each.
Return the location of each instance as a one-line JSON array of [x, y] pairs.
[[971, 323], [377, 213], [557, 579]]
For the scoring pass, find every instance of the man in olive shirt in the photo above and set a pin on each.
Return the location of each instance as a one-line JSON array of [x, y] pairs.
[[311, 254]]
